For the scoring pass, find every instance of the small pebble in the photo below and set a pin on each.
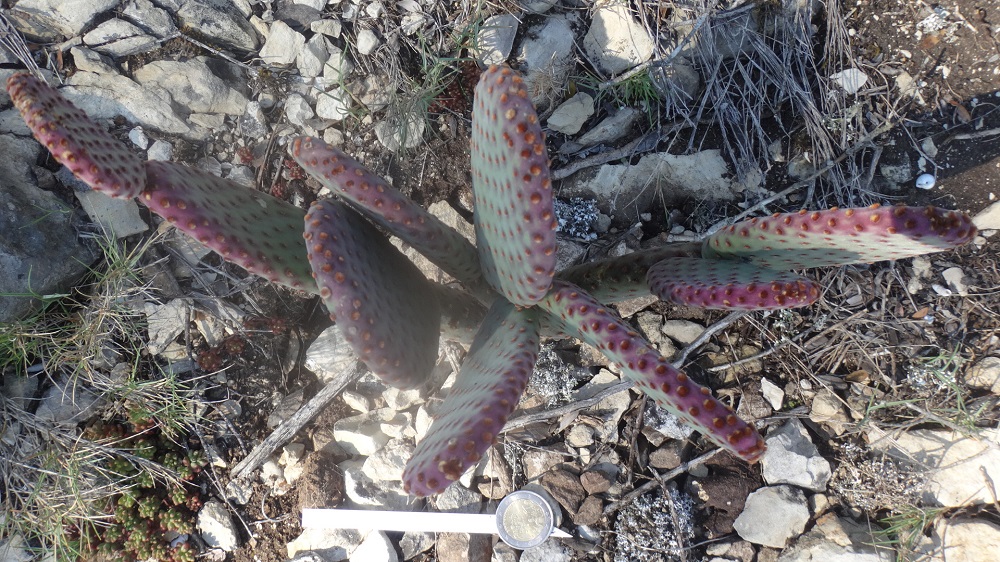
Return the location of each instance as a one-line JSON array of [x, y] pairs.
[[926, 181]]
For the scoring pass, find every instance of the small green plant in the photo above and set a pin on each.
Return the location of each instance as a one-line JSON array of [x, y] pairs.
[[904, 527], [392, 316]]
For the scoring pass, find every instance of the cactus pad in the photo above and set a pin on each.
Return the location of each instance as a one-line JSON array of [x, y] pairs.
[[75, 141], [617, 279], [383, 304], [729, 285], [461, 314], [514, 217], [385, 204], [841, 236], [258, 232], [489, 385], [597, 325]]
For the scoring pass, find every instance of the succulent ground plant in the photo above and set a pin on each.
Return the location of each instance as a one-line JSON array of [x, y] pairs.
[[392, 315]]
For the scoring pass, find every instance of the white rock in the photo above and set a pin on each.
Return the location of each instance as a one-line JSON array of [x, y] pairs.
[[772, 516], [69, 17], [333, 545], [413, 22], [376, 548], [851, 80], [298, 111], [356, 401], [925, 181], [413, 544], [365, 492], [616, 41], [334, 105], [118, 217], [612, 128], [367, 42], [194, 85], [580, 435], [960, 539], [624, 191], [395, 136], [956, 466], [313, 56], [956, 279], [139, 138], [149, 17], [330, 354], [570, 116], [362, 434], [330, 27], [548, 551], [774, 395], [683, 332], [337, 68], [160, 150], [538, 6], [119, 38], [283, 44], [165, 322], [456, 498], [388, 462], [399, 400], [827, 408], [988, 218], [225, 22], [791, 458], [495, 39], [837, 540], [216, 526], [985, 374], [105, 96]]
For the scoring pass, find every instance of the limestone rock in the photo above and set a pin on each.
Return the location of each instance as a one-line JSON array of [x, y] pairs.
[[616, 41], [496, 39], [216, 526], [962, 538], [569, 117], [65, 17], [791, 458], [773, 515], [119, 38], [985, 374]]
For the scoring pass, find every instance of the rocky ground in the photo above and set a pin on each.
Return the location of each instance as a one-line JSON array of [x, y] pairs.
[[665, 120]]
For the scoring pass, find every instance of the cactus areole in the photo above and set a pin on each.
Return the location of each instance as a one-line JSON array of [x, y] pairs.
[[393, 317]]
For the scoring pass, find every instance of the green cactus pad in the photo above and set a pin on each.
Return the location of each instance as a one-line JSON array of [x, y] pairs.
[[729, 285], [258, 232], [514, 217], [391, 209], [841, 236], [599, 326], [489, 385], [86, 149], [622, 278], [385, 307]]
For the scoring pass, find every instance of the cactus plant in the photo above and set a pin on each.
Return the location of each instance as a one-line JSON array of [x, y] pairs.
[[392, 315]]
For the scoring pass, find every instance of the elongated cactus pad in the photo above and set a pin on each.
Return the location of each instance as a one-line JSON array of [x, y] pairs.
[[617, 279], [489, 385], [599, 326], [729, 285], [514, 217], [841, 236], [385, 204], [75, 141], [261, 233], [383, 304]]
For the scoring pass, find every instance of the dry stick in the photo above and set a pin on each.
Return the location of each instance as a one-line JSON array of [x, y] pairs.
[[288, 428], [538, 417], [662, 480]]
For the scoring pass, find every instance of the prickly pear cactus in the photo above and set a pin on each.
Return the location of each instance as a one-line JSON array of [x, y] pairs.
[[514, 217], [74, 140], [381, 301], [727, 285], [841, 236]]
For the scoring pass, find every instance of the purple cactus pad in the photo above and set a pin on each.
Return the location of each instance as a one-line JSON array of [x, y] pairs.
[[385, 308], [75, 141], [599, 326], [729, 285], [841, 236], [488, 388], [385, 204], [258, 232], [514, 217]]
